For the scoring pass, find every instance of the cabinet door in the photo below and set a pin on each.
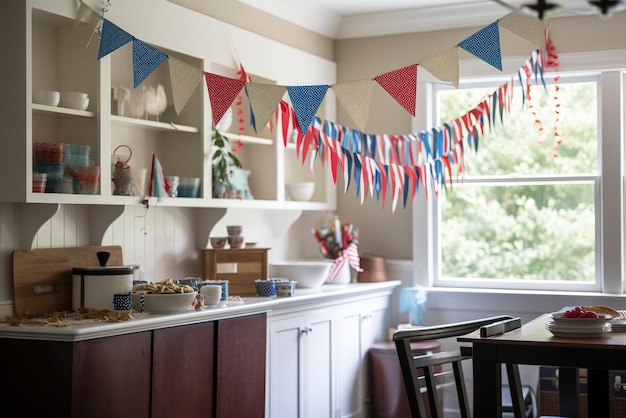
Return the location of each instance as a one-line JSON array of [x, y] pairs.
[[317, 371], [241, 362], [36, 378], [183, 371], [284, 365], [111, 377], [359, 326]]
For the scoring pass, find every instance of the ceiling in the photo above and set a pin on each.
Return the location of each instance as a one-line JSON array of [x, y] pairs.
[[342, 19]]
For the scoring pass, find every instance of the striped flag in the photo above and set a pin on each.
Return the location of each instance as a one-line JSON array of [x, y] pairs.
[[350, 254]]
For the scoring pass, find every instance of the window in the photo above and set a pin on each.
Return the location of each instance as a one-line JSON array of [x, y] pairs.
[[523, 218]]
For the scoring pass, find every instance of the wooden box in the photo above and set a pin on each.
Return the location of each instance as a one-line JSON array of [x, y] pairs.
[[241, 267]]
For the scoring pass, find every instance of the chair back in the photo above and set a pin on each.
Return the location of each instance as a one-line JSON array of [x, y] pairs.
[[431, 372]]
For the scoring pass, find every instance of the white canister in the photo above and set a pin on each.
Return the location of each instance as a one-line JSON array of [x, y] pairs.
[[94, 287]]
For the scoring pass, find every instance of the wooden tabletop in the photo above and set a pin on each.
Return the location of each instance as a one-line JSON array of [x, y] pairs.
[[533, 344], [534, 333]]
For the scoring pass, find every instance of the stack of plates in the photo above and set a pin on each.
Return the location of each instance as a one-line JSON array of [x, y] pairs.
[[619, 324], [578, 327]]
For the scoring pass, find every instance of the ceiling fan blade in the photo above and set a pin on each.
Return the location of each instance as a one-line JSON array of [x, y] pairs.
[[607, 7]]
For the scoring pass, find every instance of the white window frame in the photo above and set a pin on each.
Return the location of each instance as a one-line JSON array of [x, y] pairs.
[[609, 67]]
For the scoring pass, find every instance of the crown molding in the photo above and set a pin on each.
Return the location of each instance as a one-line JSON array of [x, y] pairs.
[[420, 20]]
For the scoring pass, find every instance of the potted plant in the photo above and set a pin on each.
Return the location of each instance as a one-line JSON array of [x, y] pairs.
[[230, 180]]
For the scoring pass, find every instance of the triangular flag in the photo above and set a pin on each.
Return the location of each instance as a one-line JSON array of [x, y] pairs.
[[112, 38], [157, 186], [444, 65], [401, 84], [185, 79], [305, 101], [146, 59], [264, 99], [527, 27], [356, 98], [485, 44], [222, 93]]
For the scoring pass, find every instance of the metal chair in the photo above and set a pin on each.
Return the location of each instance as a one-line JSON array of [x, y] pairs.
[[435, 375]]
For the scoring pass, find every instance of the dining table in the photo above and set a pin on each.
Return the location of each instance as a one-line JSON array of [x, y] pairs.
[[534, 344]]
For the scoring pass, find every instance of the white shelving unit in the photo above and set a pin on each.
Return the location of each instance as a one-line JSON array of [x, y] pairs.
[[46, 51]]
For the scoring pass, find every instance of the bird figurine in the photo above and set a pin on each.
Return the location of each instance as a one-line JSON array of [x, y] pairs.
[[121, 95], [155, 101], [136, 103]]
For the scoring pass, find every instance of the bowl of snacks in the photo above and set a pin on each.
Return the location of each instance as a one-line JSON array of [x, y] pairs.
[[166, 297]]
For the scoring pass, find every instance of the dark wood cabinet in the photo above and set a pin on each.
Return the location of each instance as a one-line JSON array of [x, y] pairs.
[[35, 377], [183, 371], [241, 367], [111, 376], [214, 368]]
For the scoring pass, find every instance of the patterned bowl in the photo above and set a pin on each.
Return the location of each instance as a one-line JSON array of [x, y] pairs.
[[266, 288]]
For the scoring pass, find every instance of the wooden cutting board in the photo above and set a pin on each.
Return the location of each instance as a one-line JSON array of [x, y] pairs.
[[42, 279]]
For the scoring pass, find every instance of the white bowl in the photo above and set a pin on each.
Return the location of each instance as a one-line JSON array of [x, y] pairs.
[[168, 302], [74, 100], [302, 191], [46, 97], [309, 274]]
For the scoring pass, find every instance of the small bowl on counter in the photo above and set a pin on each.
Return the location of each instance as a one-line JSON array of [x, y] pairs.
[[168, 302], [285, 287], [265, 288]]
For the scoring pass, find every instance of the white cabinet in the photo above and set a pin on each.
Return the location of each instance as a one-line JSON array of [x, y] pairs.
[[359, 325], [301, 376], [47, 51], [318, 353]]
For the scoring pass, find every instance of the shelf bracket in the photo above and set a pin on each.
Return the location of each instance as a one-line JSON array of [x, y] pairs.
[[100, 219], [34, 216]]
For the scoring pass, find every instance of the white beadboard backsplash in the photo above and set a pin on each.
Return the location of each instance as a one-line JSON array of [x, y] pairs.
[[163, 240]]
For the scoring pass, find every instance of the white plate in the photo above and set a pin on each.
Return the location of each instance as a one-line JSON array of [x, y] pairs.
[[577, 332], [557, 317]]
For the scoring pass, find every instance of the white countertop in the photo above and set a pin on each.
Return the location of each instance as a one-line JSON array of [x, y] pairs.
[[88, 329]]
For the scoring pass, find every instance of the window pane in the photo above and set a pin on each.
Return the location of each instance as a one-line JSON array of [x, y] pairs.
[[529, 232], [513, 147], [499, 226]]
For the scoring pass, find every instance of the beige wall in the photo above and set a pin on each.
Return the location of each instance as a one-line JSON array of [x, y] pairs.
[[264, 24]]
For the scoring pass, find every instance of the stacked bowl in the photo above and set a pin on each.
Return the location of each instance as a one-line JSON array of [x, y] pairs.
[[48, 159], [84, 177], [235, 237]]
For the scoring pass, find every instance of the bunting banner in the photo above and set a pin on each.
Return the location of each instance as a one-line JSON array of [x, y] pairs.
[[112, 37], [444, 65], [222, 93], [356, 99], [185, 79], [526, 27], [401, 84], [264, 99], [146, 59], [305, 101], [378, 164], [485, 44]]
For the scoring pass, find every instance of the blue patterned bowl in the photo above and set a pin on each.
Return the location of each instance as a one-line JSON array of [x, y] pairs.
[[265, 288]]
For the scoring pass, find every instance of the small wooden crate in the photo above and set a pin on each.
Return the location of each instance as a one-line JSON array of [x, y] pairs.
[[241, 267]]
